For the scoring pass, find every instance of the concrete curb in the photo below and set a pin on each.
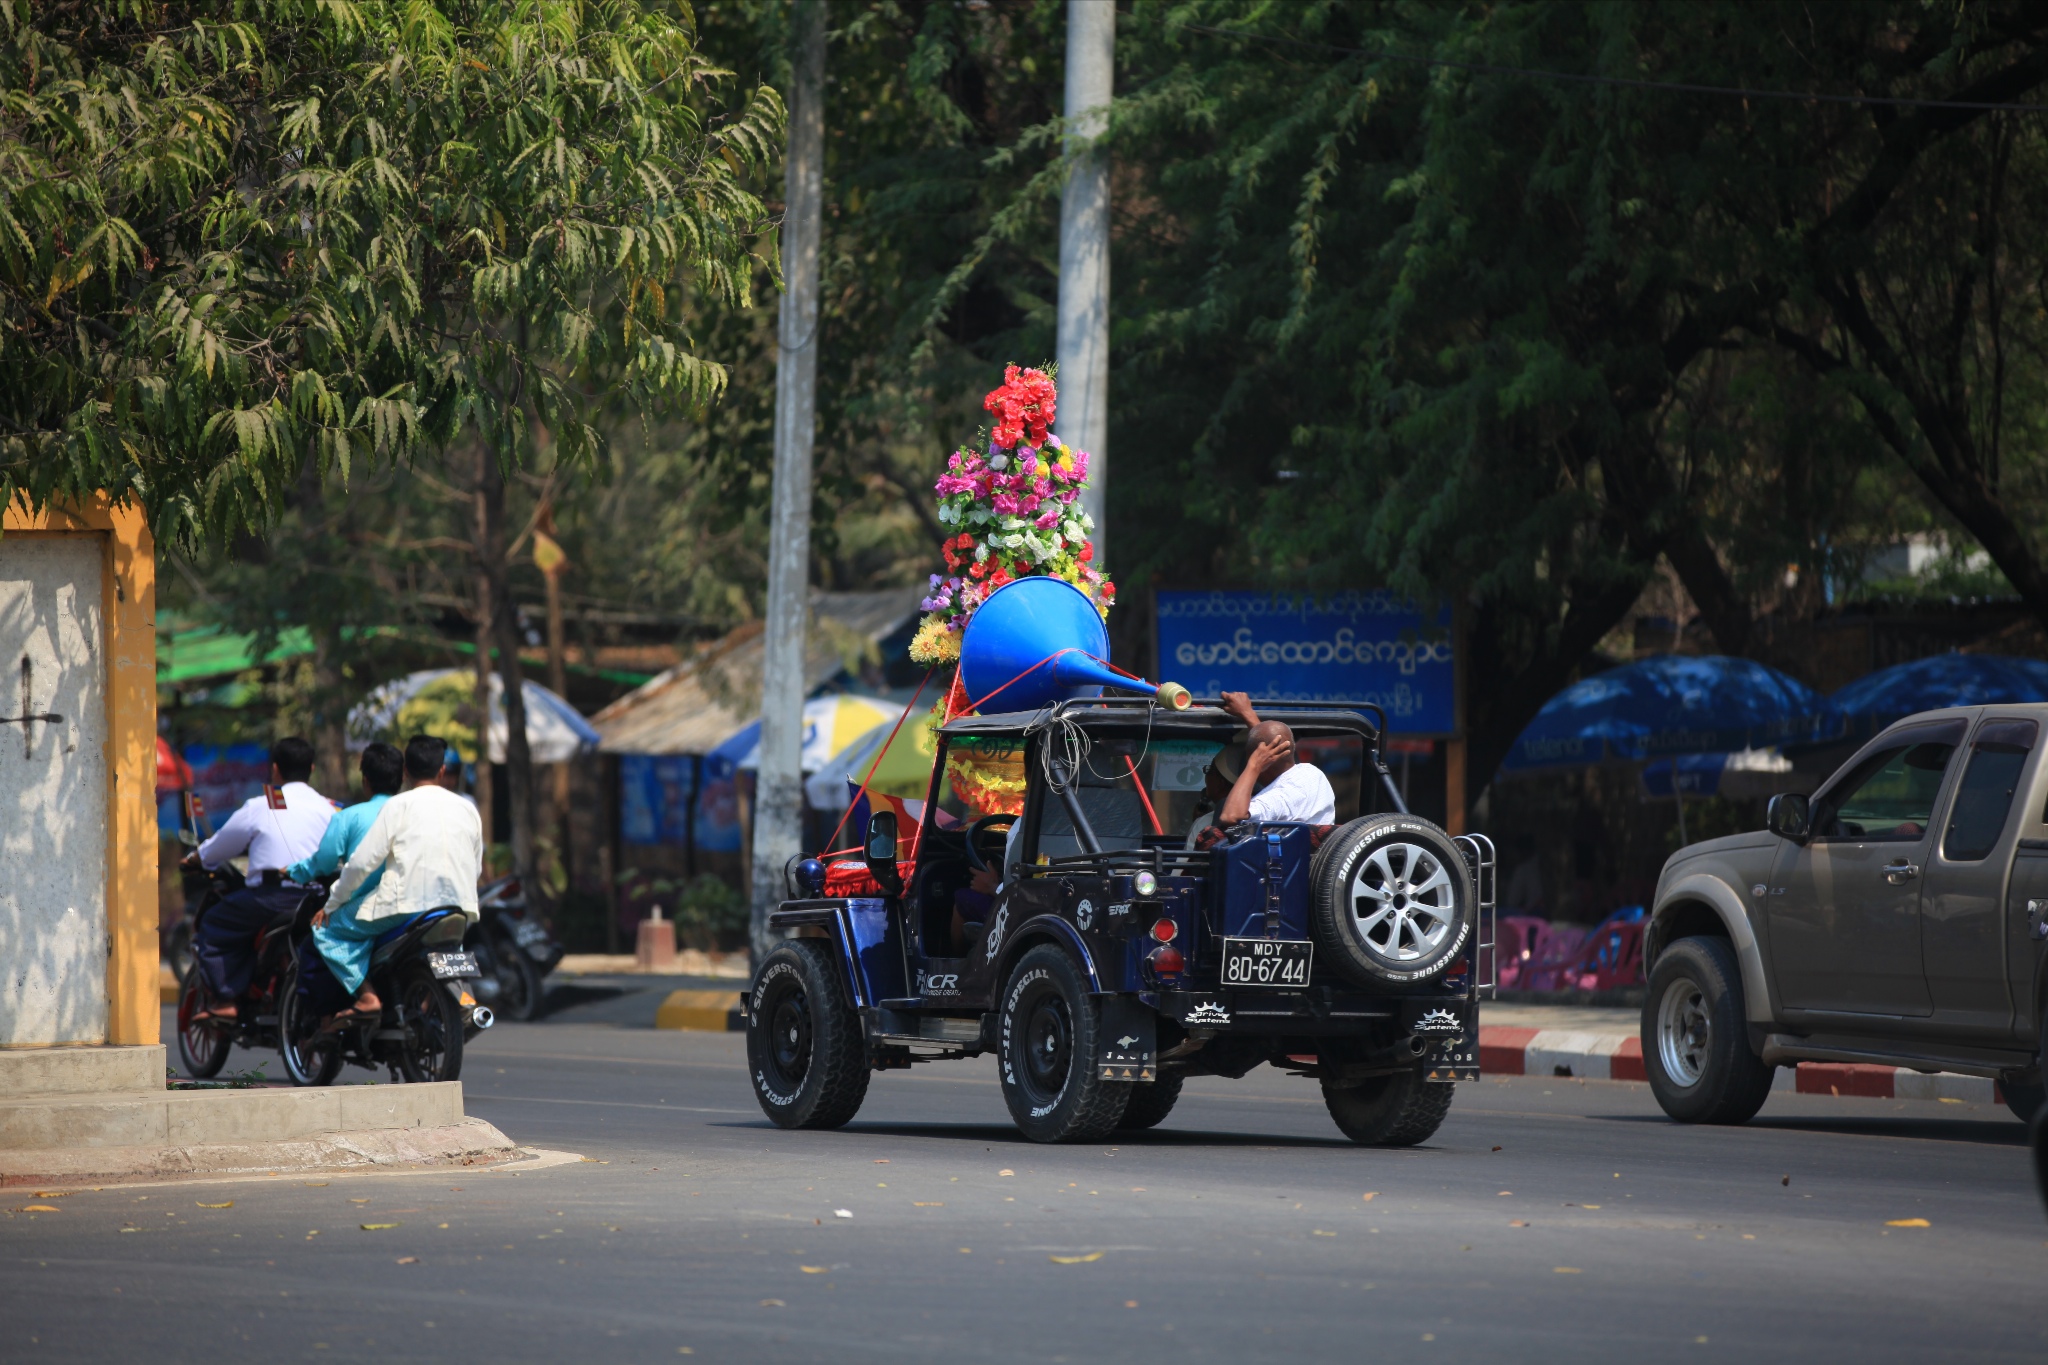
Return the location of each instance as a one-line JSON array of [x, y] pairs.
[[701, 1012], [1619, 1057], [465, 1143]]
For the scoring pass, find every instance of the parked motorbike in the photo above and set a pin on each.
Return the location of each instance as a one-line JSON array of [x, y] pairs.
[[422, 976], [204, 1044], [514, 951]]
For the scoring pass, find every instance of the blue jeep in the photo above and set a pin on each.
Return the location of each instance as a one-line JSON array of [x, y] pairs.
[[1124, 950]]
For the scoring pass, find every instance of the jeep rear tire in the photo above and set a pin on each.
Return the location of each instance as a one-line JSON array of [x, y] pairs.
[[1148, 1105], [1398, 1110], [1696, 1038], [805, 1047], [1390, 901], [1048, 1037]]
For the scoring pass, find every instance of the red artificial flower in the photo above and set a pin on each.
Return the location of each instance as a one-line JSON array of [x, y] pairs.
[[1087, 554], [1024, 406]]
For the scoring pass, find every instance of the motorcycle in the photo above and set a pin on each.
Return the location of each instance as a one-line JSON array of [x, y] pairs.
[[514, 951], [204, 1044], [423, 978], [176, 945]]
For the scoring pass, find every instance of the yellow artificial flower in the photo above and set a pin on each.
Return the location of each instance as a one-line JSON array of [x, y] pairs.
[[934, 644]]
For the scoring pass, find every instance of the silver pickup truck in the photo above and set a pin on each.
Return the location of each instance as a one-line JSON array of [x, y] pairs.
[[1898, 916]]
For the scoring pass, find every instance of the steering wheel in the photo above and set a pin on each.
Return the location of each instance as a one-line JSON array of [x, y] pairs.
[[1001, 820]]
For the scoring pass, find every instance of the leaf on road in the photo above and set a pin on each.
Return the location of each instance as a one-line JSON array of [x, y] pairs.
[[51, 1194], [1566, 1270], [1907, 1223], [842, 1213], [1006, 1171], [1367, 1196], [39, 1208], [376, 1227], [1517, 1223], [881, 1161], [928, 1203], [408, 1260], [230, 1204], [1076, 1260], [773, 1303], [813, 1269], [354, 1200]]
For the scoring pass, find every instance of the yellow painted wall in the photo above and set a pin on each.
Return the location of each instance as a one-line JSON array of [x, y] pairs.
[[128, 606]]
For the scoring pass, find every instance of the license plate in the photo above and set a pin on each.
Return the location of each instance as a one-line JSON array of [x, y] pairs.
[[451, 966], [1267, 962]]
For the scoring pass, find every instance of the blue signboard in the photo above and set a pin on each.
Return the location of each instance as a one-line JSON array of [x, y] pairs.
[[1348, 646]]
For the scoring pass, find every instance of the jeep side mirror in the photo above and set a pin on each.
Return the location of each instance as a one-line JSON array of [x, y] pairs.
[[881, 851], [1789, 816]]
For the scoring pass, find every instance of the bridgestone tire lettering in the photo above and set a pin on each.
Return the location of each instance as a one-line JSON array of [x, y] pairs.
[[819, 1079], [1347, 871]]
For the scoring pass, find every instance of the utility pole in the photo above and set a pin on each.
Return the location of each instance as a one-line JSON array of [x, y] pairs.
[[1083, 345], [778, 794]]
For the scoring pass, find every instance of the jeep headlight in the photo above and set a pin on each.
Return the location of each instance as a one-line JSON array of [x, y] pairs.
[[1145, 884]]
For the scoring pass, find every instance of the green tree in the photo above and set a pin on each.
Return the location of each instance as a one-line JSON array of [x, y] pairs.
[[245, 238]]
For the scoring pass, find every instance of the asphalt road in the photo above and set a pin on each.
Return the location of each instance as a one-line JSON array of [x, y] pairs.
[[1549, 1220]]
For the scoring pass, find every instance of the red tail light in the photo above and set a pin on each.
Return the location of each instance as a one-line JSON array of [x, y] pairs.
[[1164, 930], [1166, 961]]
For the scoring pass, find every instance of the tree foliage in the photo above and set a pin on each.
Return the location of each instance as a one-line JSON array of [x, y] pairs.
[[235, 237]]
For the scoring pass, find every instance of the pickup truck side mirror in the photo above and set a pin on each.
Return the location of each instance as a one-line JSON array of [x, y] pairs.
[[881, 851], [1790, 816]]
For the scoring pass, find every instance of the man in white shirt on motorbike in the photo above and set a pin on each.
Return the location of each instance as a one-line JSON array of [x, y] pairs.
[[430, 845]]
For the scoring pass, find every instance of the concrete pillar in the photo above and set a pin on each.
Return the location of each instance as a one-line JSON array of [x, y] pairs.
[[1083, 347], [778, 800]]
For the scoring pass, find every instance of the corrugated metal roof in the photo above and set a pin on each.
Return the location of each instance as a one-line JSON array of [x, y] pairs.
[[702, 701]]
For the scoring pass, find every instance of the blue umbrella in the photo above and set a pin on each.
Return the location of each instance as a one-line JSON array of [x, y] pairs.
[[1877, 699], [1671, 705]]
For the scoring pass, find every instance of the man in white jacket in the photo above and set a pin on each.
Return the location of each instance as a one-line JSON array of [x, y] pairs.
[[430, 844]]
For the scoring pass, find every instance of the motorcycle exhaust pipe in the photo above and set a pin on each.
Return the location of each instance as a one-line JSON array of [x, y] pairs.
[[482, 1017]]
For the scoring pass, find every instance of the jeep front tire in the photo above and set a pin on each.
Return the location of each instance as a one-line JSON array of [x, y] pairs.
[[1695, 1036], [805, 1049], [1048, 1039]]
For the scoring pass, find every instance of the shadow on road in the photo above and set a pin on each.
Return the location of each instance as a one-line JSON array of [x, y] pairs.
[[1991, 1132], [1142, 1137]]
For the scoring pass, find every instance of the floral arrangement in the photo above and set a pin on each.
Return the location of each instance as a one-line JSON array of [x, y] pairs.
[[1017, 513]]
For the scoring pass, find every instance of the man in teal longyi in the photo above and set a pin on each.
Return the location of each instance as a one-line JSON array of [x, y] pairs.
[[344, 946]]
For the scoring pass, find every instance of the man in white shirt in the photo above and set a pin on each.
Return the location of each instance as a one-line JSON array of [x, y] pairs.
[[1275, 785], [275, 830], [429, 843]]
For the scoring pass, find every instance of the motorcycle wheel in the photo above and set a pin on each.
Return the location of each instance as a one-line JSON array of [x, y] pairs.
[[520, 988], [432, 1024], [203, 1046], [310, 1056]]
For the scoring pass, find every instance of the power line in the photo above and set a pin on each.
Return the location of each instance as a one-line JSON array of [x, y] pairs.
[[1681, 87]]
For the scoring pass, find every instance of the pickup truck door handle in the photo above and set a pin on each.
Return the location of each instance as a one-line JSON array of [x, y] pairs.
[[1899, 873]]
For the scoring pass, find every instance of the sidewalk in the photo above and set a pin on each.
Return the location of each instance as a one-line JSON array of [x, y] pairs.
[[1606, 1044]]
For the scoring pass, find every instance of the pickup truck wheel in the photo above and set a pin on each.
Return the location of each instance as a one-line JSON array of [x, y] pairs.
[[1390, 901], [2024, 1098], [1048, 1040], [805, 1047], [1695, 1043], [1398, 1110], [1148, 1105]]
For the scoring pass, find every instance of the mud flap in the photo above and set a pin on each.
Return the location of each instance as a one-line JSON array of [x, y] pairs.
[[1130, 1039], [1453, 1036]]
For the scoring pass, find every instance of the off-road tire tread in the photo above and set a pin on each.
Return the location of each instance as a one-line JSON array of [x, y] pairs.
[[1422, 1110], [1148, 1105], [1101, 1105], [1334, 949], [845, 1066], [1748, 1081]]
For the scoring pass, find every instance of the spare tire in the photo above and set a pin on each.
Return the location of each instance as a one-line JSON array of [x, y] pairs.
[[1390, 901]]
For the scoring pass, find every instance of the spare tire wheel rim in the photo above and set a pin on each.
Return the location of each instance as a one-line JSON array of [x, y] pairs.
[[1404, 904], [1684, 1032]]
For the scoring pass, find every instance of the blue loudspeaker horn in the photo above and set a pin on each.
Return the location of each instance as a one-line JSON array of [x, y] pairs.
[[1011, 656]]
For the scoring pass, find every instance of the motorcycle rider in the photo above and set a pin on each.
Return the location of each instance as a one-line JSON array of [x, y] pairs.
[[346, 953], [428, 845], [276, 830]]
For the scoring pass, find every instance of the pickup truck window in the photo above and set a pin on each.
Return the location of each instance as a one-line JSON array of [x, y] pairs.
[[1984, 799], [1889, 798]]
